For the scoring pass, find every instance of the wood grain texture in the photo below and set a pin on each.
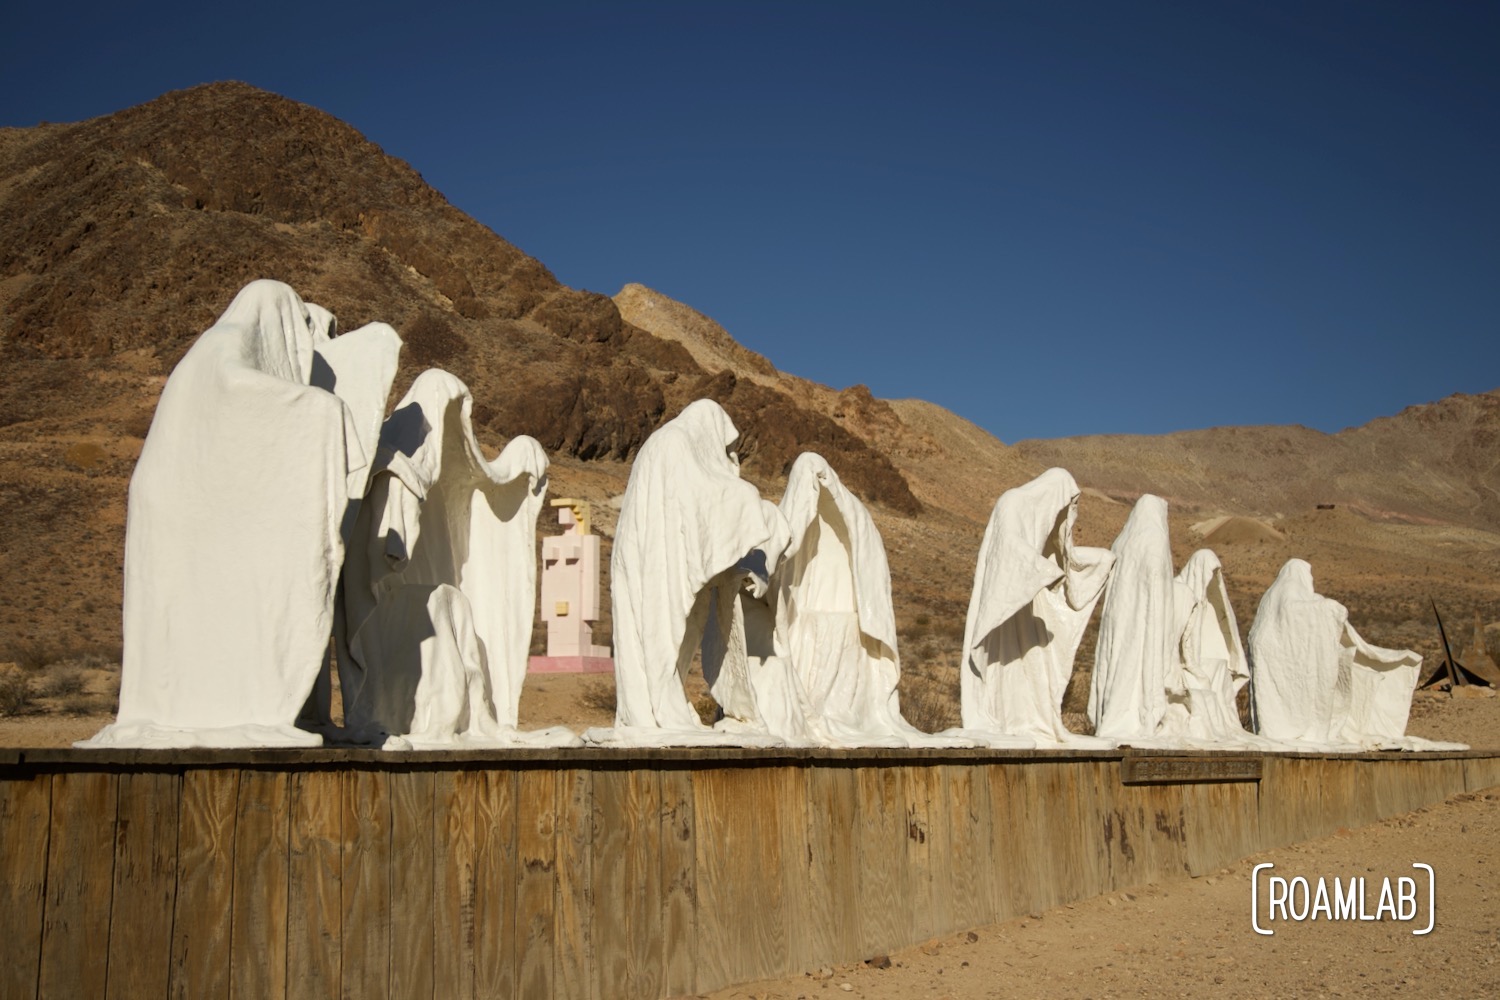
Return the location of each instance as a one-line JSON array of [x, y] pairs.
[[495, 885], [25, 831], [80, 876], [365, 886], [257, 940], [679, 864], [145, 888], [454, 852], [883, 887], [832, 864], [315, 912], [203, 914], [970, 823], [626, 932], [412, 881], [1014, 853], [536, 892], [573, 943]]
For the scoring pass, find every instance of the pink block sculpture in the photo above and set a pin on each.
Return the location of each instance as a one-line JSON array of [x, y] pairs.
[[570, 596]]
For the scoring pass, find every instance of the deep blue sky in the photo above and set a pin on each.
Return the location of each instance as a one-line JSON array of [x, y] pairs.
[[1053, 218]]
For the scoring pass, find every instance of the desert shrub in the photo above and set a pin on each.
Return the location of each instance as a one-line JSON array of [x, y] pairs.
[[90, 704], [62, 682], [600, 697], [30, 654], [931, 707], [431, 342], [16, 696]]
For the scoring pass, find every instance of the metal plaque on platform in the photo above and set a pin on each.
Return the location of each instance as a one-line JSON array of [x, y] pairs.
[[1187, 770]]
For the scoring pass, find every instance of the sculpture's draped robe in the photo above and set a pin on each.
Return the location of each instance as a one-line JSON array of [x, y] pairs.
[[1034, 591], [834, 620], [1145, 608], [440, 598], [687, 517], [1317, 683], [233, 541], [1212, 665]]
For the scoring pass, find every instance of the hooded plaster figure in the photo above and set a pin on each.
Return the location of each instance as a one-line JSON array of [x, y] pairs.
[[441, 598], [233, 538], [1317, 683], [834, 620], [687, 517], [1034, 591], [1212, 667], [1145, 608]]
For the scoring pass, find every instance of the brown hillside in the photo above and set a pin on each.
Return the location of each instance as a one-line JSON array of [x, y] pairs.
[[1448, 469]]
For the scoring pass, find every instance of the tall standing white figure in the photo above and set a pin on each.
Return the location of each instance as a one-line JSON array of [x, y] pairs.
[[687, 517], [441, 600], [1318, 683], [1145, 607], [1034, 591], [233, 540], [834, 619]]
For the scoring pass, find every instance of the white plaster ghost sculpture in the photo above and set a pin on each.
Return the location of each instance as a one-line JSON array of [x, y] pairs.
[[1317, 683], [233, 540], [834, 620], [1145, 608], [441, 594], [1202, 710], [686, 519], [1034, 591]]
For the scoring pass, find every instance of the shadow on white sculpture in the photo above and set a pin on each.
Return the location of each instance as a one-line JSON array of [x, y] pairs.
[[1034, 591], [441, 591], [233, 539], [1318, 684], [834, 620], [687, 519]]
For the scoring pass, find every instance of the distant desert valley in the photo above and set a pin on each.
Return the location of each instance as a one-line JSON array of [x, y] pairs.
[[123, 237]]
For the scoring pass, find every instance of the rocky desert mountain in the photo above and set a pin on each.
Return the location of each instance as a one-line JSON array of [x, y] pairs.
[[123, 237]]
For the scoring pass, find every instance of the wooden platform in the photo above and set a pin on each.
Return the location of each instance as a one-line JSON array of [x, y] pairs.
[[600, 873]]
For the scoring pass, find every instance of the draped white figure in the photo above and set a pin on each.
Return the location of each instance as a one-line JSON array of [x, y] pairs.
[[440, 599], [1203, 710], [687, 519], [233, 536], [1145, 608], [1034, 591], [1317, 683], [834, 621]]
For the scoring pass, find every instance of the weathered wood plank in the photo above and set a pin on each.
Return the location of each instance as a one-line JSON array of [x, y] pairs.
[[25, 830], [140, 936], [205, 884], [257, 938], [679, 884], [365, 886], [536, 894], [917, 812], [80, 877], [832, 865], [1014, 852], [970, 824], [315, 913], [454, 851], [883, 883], [626, 932], [573, 938], [789, 792], [411, 884], [495, 885]]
